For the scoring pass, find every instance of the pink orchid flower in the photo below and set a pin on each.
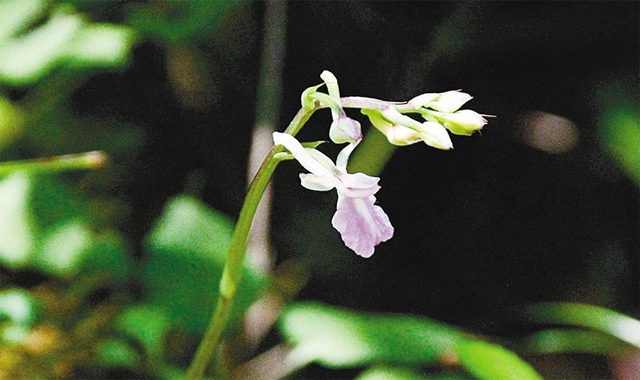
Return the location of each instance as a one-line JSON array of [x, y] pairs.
[[361, 223]]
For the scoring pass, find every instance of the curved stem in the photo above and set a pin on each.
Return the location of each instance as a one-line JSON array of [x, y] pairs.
[[232, 273]]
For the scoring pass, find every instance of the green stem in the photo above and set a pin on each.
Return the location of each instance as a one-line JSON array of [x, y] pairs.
[[89, 160], [232, 273]]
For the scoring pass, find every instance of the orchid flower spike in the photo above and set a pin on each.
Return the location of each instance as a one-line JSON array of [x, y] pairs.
[[361, 223]]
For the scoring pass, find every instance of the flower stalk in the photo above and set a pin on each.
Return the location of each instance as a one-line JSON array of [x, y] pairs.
[[232, 272]]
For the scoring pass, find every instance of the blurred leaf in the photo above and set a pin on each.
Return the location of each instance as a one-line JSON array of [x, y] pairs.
[[63, 248], [620, 131], [18, 306], [109, 256], [598, 318], [44, 227], [14, 334], [173, 22], [339, 338], [394, 373], [100, 45], [65, 39], [491, 362], [146, 324], [17, 238], [116, 353], [27, 58], [558, 341], [187, 250], [30, 207], [11, 121], [16, 15]]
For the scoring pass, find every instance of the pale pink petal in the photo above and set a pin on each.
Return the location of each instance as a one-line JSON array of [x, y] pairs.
[[362, 224], [317, 183], [345, 129], [343, 156], [304, 156], [357, 185]]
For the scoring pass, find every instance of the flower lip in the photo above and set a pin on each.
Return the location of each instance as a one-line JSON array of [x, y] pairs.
[[361, 223]]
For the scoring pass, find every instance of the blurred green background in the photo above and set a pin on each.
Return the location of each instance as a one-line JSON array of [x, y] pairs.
[[525, 237]]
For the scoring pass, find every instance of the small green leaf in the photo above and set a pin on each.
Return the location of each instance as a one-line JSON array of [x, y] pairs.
[[488, 361], [187, 250], [340, 338], [313, 144]]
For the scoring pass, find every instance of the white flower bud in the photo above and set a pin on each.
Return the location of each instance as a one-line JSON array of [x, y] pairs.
[[450, 101], [344, 129], [435, 135], [463, 122]]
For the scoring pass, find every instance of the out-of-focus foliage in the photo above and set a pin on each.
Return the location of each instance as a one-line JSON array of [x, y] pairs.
[[620, 131], [44, 227], [111, 275], [187, 248], [395, 373], [339, 338], [597, 318], [489, 361], [64, 40], [172, 22]]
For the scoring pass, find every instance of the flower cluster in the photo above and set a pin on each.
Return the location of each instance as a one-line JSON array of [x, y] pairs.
[[361, 223]]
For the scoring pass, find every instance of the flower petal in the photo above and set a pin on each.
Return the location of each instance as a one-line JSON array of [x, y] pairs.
[[357, 185], [361, 223], [343, 156], [317, 183], [308, 160]]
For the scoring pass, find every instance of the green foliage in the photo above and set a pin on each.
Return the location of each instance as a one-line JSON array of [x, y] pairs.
[[19, 311], [18, 307], [492, 362], [148, 325], [187, 248], [558, 341], [620, 133], [396, 373], [172, 22], [65, 39], [339, 338], [597, 318], [44, 227], [116, 353]]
